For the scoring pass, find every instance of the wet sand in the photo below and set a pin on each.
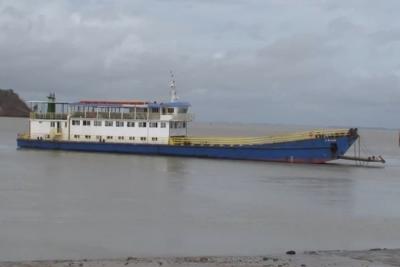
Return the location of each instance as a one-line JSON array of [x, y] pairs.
[[338, 258]]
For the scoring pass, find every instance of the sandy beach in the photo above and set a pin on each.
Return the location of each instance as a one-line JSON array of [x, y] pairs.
[[338, 258]]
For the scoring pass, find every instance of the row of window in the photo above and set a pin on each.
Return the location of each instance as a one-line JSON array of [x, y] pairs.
[[98, 137], [122, 124], [178, 124], [173, 124], [119, 110], [53, 124]]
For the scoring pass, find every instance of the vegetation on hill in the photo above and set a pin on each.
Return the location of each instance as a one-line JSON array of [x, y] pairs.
[[11, 105]]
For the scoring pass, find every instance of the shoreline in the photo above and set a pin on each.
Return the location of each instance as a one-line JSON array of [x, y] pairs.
[[337, 258]]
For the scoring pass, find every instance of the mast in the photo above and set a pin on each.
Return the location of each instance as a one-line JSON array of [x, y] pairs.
[[51, 105], [172, 86]]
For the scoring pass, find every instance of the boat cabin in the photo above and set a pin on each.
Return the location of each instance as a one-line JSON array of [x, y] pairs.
[[142, 122]]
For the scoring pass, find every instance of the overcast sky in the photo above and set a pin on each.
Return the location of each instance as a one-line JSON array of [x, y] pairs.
[[303, 62]]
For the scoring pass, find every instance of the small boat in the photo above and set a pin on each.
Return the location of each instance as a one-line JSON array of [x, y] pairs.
[[160, 128]]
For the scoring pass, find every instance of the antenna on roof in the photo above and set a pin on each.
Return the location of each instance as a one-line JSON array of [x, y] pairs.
[[172, 85], [52, 97]]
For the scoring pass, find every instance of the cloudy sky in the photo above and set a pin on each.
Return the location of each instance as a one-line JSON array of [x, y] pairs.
[[267, 61]]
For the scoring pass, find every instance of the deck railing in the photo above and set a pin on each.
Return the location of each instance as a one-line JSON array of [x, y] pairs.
[[24, 136], [112, 115], [232, 141], [116, 115], [48, 116]]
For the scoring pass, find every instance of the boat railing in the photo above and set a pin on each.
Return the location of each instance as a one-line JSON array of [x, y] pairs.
[[24, 136], [112, 115], [48, 116], [178, 117], [232, 141], [132, 116], [115, 115], [140, 116]]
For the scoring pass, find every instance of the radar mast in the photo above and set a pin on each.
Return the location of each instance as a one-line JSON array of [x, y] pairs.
[[172, 86]]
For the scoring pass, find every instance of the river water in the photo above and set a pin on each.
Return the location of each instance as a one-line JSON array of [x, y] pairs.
[[59, 205]]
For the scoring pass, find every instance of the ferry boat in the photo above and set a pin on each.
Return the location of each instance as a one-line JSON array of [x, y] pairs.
[[160, 128]]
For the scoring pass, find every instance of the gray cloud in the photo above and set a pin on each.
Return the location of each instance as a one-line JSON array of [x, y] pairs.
[[304, 62]]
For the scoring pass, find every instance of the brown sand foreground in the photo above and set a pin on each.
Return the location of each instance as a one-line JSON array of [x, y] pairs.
[[337, 258]]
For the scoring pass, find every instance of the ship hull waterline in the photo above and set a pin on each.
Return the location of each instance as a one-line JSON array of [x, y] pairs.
[[317, 150]]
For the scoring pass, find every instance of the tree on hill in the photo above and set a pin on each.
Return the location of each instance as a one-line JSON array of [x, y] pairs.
[[11, 105]]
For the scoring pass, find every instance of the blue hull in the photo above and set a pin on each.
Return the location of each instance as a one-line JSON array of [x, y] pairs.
[[318, 150]]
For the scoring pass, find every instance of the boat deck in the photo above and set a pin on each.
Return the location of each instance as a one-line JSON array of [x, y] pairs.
[[270, 139]]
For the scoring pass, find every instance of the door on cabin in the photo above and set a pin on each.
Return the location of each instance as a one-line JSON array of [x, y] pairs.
[[58, 127]]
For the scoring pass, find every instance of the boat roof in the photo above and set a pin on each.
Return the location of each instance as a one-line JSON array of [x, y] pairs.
[[130, 103], [113, 102], [121, 103], [45, 102]]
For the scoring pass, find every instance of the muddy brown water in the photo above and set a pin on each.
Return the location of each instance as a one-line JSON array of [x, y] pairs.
[[62, 205]]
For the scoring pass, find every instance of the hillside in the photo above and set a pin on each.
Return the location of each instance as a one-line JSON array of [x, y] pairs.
[[11, 105]]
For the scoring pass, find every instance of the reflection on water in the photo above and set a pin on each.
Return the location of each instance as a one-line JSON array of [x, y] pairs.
[[87, 205], [335, 192]]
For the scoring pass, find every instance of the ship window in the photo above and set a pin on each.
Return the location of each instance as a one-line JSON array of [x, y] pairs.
[[131, 138], [76, 136], [142, 124], [170, 110], [86, 123], [143, 138], [182, 110], [87, 136], [155, 110], [184, 124], [175, 125], [109, 137], [76, 122], [163, 125], [52, 124], [119, 123], [109, 123], [120, 138], [97, 123], [154, 139], [130, 124], [153, 124]]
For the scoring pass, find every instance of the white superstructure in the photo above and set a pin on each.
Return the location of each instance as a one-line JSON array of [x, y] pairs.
[[142, 122]]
